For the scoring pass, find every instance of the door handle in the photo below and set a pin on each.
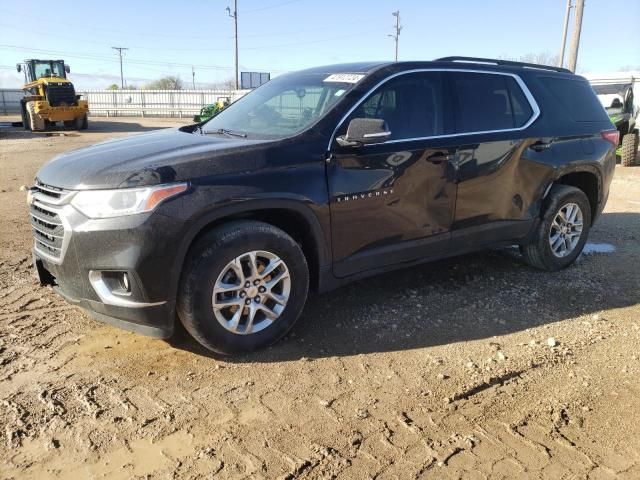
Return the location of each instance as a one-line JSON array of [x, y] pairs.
[[540, 146], [440, 158]]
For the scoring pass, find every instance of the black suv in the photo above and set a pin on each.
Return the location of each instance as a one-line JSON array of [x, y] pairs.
[[318, 178]]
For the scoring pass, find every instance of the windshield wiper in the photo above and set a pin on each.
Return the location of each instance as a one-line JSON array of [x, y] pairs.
[[224, 131]]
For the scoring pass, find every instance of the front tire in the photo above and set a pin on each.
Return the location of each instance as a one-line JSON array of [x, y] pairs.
[[629, 149], [562, 231], [243, 287], [36, 122]]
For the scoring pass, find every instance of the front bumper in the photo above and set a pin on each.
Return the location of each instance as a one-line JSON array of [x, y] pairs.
[[142, 246], [61, 113]]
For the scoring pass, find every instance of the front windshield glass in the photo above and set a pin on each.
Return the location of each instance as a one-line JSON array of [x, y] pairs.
[[612, 96], [49, 69], [281, 107]]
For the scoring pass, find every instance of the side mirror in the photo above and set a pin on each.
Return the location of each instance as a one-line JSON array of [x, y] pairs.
[[19, 67], [363, 131], [616, 103], [67, 68]]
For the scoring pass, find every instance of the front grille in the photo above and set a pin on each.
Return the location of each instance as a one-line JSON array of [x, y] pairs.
[[46, 223], [61, 93]]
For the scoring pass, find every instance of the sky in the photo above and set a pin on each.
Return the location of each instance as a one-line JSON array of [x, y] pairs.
[[168, 38]]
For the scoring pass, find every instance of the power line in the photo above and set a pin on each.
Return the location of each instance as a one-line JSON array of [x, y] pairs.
[[120, 49]]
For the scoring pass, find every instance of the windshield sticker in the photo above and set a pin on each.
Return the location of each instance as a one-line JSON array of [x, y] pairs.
[[345, 77], [339, 92]]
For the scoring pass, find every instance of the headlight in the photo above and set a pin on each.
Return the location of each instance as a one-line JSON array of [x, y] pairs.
[[123, 201]]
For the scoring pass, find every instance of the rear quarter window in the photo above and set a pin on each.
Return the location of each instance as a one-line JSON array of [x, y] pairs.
[[577, 97]]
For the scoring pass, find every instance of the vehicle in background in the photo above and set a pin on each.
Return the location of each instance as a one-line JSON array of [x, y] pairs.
[[316, 179], [49, 97], [618, 99], [209, 111]]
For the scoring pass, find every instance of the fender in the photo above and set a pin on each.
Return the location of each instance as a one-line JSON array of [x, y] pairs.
[[200, 224], [593, 168]]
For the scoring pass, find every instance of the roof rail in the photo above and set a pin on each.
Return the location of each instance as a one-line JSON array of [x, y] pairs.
[[509, 63]]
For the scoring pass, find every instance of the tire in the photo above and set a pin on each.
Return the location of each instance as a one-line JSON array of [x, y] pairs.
[[538, 252], [36, 122], [69, 123], [208, 263], [629, 149], [81, 123], [25, 116]]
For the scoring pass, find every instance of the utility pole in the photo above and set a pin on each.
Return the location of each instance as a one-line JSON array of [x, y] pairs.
[[120, 49], [397, 28], [193, 77], [567, 13], [575, 38], [234, 15]]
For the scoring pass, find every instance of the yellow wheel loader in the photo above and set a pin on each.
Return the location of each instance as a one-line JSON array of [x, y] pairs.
[[49, 97]]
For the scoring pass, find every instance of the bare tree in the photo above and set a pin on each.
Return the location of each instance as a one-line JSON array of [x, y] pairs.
[[165, 83], [541, 58]]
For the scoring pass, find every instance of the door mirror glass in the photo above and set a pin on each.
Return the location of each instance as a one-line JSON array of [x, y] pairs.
[[363, 131], [67, 68], [18, 67]]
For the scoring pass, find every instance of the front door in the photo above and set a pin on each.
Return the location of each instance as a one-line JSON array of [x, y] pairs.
[[393, 202]]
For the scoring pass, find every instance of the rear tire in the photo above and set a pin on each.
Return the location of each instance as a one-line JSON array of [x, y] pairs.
[[218, 271], [81, 123], [629, 149], [552, 231], [36, 122]]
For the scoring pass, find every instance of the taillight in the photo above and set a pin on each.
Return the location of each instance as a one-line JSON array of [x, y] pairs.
[[612, 136]]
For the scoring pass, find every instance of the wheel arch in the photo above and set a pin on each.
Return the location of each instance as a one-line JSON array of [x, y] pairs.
[[589, 180], [293, 217]]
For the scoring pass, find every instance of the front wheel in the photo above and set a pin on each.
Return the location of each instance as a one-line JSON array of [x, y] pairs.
[[243, 287], [562, 231]]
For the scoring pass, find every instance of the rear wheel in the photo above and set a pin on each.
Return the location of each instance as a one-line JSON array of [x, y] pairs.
[[81, 123], [629, 149], [243, 287], [36, 122], [563, 229]]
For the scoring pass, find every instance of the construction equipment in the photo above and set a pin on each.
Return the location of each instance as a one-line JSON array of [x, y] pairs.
[[49, 97], [617, 98], [210, 111]]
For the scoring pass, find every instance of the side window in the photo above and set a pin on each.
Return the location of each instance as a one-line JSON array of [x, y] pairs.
[[411, 104], [488, 102]]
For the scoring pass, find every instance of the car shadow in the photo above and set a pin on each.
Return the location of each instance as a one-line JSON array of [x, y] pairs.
[[471, 297]]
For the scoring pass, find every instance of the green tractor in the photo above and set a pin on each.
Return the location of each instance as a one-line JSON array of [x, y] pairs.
[[210, 111], [617, 97]]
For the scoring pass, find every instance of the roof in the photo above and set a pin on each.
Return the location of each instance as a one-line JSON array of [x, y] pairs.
[[445, 62]]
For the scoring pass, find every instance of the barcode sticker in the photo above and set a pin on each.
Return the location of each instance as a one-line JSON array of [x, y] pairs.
[[345, 77]]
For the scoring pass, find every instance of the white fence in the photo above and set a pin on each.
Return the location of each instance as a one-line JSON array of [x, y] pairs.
[[135, 103]]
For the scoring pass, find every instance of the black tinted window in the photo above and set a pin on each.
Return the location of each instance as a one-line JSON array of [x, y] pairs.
[[411, 104], [489, 102], [577, 97]]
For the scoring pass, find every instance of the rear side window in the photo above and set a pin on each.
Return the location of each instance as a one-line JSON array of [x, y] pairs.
[[577, 97], [489, 102]]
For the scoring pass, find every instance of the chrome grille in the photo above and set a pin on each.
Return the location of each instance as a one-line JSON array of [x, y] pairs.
[[46, 223]]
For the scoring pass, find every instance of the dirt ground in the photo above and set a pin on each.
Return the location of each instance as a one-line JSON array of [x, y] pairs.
[[474, 367]]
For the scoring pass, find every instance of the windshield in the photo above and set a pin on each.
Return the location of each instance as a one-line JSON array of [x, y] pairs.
[[49, 69], [612, 96], [281, 107]]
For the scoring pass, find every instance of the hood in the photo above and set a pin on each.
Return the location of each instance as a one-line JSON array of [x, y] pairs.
[[162, 156]]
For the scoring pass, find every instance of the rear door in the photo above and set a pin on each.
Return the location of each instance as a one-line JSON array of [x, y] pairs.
[[393, 202], [496, 182]]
